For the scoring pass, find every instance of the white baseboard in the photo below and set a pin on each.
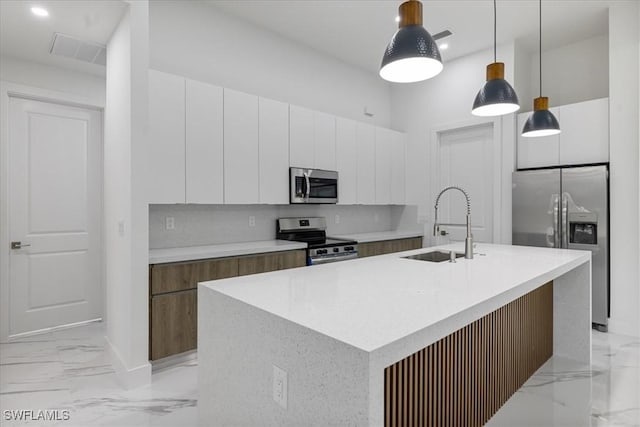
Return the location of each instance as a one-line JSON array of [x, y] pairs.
[[622, 327], [171, 361], [53, 328], [128, 378]]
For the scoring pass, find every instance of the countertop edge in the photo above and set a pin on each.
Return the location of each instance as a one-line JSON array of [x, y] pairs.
[[196, 253]]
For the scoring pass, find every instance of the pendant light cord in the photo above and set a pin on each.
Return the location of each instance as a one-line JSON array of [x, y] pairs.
[[540, 42], [495, 31]]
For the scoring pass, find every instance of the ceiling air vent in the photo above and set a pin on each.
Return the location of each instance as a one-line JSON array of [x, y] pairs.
[[71, 47]]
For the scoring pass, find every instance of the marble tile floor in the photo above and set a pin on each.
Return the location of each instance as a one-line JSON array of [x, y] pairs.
[[70, 370]]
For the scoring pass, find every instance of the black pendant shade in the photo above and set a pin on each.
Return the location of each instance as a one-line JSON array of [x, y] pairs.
[[497, 96], [412, 55], [541, 122]]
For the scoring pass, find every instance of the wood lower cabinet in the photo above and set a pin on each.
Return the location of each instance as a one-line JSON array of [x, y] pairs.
[[181, 276], [270, 262], [388, 246], [173, 317], [174, 323]]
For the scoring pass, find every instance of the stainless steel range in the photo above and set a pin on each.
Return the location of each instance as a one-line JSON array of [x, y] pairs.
[[321, 249]]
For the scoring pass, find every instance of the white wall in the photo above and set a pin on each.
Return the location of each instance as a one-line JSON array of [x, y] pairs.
[[571, 73], [53, 78], [197, 40], [214, 224], [125, 208], [624, 112], [446, 100]]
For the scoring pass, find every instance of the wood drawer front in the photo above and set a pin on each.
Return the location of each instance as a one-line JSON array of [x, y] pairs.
[[388, 246], [183, 276], [174, 323], [263, 263]]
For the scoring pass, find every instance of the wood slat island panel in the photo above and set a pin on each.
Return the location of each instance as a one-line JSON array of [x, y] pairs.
[[464, 378]]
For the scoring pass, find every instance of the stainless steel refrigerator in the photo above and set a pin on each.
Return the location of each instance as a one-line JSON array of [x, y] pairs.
[[567, 208]]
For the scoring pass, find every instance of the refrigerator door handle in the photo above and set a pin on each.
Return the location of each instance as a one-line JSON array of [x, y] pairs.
[[565, 221], [556, 216]]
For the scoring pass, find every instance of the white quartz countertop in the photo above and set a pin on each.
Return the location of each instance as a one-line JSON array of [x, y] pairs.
[[159, 256], [372, 302], [380, 236]]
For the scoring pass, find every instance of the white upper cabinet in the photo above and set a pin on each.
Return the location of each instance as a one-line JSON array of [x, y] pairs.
[[274, 152], [347, 161], [324, 141], [204, 143], [585, 132], [383, 165], [366, 164], [241, 148], [538, 151], [398, 168], [301, 137], [166, 138], [312, 139], [584, 137]]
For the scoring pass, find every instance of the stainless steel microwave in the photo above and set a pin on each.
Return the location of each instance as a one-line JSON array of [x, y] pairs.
[[313, 186]]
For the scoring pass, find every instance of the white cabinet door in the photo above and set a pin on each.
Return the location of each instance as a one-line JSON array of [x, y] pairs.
[[324, 141], [347, 161], [585, 132], [166, 138], [241, 159], [398, 169], [366, 169], [383, 165], [204, 144], [274, 152], [539, 151], [301, 137]]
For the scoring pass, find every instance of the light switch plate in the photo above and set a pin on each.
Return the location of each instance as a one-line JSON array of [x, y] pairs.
[[252, 221]]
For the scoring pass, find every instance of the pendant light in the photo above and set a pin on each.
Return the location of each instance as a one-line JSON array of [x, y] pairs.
[[496, 97], [412, 55], [541, 122]]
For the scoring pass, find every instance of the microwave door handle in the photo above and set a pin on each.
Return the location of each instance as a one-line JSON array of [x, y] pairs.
[[308, 185]]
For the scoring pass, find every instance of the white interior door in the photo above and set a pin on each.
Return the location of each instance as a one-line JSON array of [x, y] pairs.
[[55, 200], [465, 159]]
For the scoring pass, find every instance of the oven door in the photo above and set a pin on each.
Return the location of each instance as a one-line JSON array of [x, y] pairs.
[[313, 186]]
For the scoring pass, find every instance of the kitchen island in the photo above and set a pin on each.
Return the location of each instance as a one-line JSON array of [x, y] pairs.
[[388, 340]]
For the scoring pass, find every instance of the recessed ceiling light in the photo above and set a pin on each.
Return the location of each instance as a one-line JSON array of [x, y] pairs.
[[443, 46], [398, 18], [39, 11]]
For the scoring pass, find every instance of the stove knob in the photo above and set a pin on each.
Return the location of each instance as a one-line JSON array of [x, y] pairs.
[[348, 248], [336, 250], [321, 251]]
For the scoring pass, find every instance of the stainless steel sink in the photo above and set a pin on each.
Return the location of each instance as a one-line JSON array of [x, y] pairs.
[[433, 256]]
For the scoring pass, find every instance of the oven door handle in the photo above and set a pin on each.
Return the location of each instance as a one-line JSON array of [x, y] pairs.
[[329, 259]]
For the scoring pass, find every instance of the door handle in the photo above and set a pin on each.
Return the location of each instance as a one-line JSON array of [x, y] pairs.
[[565, 221], [556, 228], [19, 245]]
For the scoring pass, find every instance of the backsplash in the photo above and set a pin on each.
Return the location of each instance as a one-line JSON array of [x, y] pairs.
[[214, 224]]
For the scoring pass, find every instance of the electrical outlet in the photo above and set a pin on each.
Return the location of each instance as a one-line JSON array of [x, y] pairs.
[[169, 223], [376, 217], [337, 219], [121, 227], [280, 386], [252, 221]]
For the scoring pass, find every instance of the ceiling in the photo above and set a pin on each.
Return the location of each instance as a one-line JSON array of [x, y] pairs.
[[26, 36], [358, 31], [353, 31]]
